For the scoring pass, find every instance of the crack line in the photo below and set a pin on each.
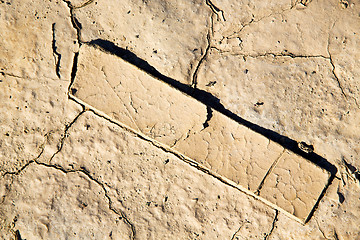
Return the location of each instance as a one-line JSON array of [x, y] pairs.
[[334, 73], [132, 103], [322, 232], [273, 225], [208, 117], [83, 5], [238, 230], [333, 70], [285, 53], [268, 172], [87, 173], [65, 134], [26, 77], [83, 170], [122, 101], [216, 10], [75, 23], [42, 147], [260, 19], [56, 54], [203, 58]]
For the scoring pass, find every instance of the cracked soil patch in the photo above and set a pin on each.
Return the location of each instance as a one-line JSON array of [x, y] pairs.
[[179, 119]]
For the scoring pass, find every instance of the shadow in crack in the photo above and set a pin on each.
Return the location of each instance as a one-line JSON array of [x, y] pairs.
[[213, 102], [18, 236]]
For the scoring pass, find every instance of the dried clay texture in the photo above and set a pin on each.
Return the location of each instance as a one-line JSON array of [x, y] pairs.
[[179, 120], [181, 123]]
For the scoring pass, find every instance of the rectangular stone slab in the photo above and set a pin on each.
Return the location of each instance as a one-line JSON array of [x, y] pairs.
[[295, 185], [158, 111]]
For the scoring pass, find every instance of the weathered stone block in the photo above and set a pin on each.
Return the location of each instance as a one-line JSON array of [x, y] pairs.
[[166, 115]]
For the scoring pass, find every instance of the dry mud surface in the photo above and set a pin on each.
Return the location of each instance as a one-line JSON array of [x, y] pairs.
[[179, 119]]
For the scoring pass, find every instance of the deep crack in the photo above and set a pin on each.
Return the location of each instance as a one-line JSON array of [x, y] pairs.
[[56, 54], [75, 23], [77, 26], [208, 117], [336, 237], [216, 10], [352, 170], [18, 235], [73, 73]]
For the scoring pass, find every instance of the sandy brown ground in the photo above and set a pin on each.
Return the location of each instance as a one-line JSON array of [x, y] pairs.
[[179, 119]]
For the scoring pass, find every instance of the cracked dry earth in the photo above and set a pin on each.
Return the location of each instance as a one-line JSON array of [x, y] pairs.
[[179, 119]]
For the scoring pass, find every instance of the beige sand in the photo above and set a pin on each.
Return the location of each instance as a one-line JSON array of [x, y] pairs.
[[179, 119]]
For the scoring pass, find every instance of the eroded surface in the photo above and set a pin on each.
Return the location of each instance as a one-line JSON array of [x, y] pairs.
[[134, 176], [33, 113], [69, 202], [289, 66]]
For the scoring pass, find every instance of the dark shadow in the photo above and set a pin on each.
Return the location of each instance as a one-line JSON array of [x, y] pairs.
[[18, 236], [213, 102]]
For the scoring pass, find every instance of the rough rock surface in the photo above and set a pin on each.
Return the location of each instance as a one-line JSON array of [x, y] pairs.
[[38, 39], [123, 119], [34, 113], [170, 35], [155, 110]]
